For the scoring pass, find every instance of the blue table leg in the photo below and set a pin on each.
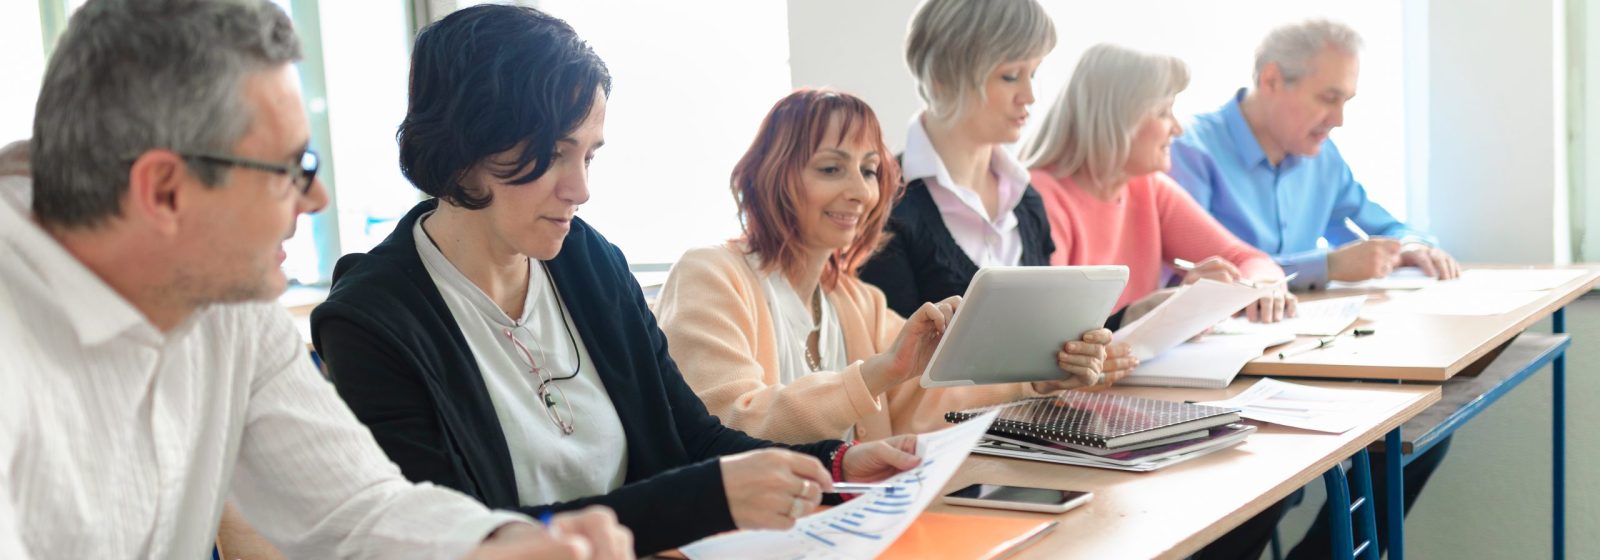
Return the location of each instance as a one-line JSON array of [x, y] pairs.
[[1365, 517], [1558, 448], [1340, 527], [1395, 500]]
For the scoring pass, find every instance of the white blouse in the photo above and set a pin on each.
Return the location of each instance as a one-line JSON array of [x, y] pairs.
[[987, 242], [792, 325], [549, 466]]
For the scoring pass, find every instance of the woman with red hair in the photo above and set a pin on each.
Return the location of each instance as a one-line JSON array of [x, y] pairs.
[[775, 332]]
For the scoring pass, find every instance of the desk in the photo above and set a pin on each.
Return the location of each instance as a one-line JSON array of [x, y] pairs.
[[1436, 348], [1419, 347], [1175, 511]]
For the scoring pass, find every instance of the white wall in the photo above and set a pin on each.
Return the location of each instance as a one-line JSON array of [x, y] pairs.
[[857, 47], [1497, 131], [1496, 122], [1587, 216]]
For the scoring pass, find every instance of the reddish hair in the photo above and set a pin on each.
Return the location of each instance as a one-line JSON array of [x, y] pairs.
[[766, 181]]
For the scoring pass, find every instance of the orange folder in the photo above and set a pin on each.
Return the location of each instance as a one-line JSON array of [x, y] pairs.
[[955, 536]]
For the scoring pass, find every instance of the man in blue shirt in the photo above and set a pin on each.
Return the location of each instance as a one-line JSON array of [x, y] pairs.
[[1263, 166]]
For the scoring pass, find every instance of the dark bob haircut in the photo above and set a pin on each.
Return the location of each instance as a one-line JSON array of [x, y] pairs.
[[485, 80]]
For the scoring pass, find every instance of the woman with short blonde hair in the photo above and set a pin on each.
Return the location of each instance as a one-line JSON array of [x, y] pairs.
[[1100, 162], [967, 203]]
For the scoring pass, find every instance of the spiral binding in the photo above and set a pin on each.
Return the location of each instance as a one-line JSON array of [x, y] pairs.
[[1086, 418]]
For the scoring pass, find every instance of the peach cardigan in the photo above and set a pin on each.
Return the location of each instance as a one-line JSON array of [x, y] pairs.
[[720, 332]]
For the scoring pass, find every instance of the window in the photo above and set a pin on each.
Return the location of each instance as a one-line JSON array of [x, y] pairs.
[[366, 57], [688, 92], [22, 39]]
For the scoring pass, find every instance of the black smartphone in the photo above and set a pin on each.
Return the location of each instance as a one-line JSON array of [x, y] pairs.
[[1023, 498]]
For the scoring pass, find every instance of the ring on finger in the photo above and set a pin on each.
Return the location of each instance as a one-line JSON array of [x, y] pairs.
[[797, 509]]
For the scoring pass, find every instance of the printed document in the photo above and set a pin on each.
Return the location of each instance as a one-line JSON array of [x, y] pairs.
[[865, 526], [1309, 408]]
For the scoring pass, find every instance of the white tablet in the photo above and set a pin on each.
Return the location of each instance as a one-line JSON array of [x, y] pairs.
[[1014, 319]]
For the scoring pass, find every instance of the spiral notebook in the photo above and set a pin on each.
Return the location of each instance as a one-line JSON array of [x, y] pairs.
[[1100, 420]]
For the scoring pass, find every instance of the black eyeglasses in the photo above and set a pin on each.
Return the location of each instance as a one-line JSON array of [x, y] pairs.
[[302, 176]]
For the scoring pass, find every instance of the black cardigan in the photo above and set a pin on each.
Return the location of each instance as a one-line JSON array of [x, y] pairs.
[[921, 261], [400, 361]]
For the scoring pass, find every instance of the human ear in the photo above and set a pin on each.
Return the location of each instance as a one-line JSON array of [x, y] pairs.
[[155, 194]]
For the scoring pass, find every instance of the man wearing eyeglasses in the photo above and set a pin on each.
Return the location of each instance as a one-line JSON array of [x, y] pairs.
[[148, 374]]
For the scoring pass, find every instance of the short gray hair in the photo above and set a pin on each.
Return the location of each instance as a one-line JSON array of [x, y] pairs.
[[1092, 123], [952, 45], [1293, 46], [133, 75]]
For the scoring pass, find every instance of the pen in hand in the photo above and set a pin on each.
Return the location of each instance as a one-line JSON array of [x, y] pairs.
[[860, 487], [1186, 267]]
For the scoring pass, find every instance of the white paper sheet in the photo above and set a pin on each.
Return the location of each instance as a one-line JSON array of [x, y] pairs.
[[863, 527], [1476, 280], [1191, 310], [1208, 363], [1407, 278], [1509, 280], [1323, 317], [1439, 301], [1309, 408]]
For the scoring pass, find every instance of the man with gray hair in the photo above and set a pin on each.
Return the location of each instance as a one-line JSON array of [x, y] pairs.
[[149, 374], [1263, 166]]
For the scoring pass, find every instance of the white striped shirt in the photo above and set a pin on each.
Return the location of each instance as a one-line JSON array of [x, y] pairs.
[[120, 441]]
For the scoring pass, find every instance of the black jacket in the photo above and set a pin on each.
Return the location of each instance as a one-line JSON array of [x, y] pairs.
[[400, 361], [922, 263]]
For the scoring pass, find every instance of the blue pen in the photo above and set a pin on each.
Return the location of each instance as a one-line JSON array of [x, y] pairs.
[[544, 517]]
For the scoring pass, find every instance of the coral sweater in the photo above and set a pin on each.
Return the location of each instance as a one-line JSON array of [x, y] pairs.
[[720, 332], [1152, 222]]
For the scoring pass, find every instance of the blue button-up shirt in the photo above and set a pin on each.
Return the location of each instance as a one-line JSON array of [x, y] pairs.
[[1282, 210]]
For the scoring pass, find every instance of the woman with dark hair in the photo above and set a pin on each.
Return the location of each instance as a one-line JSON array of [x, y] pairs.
[[496, 344], [775, 331]]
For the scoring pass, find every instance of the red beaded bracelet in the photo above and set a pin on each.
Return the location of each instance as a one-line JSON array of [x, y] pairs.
[[838, 460]]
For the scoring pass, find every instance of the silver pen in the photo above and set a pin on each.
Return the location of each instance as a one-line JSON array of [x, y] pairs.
[[1321, 343], [861, 487]]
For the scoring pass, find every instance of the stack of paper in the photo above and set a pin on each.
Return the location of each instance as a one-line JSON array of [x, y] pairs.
[[1190, 311], [1208, 363], [865, 526], [1323, 317], [1309, 408]]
